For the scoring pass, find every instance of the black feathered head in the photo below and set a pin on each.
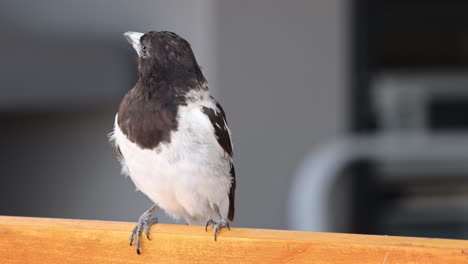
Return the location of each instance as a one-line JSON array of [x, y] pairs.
[[165, 56]]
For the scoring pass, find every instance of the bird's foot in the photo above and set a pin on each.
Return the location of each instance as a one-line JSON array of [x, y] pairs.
[[217, 225], [144, 224]]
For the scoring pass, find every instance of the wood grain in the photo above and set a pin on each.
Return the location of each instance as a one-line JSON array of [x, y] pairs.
[[44, 240]]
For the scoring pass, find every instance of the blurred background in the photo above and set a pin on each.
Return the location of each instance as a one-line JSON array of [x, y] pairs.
[[347, 115]]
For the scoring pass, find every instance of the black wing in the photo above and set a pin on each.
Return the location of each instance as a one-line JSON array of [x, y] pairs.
[[219, 122]]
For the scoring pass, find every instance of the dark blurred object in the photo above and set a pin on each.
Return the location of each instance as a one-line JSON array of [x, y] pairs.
[[410, 77], [414, 35]]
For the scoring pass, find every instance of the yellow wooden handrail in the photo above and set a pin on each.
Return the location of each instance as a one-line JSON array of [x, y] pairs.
[[68, 241]]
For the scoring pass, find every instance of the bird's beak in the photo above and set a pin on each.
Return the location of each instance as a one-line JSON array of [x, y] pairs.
[[134, 39]]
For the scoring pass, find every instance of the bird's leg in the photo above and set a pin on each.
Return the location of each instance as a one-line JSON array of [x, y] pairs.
[[144, 224], [217, 223]]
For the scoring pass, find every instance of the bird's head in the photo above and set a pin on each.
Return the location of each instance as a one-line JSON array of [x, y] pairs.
[[164, 55]]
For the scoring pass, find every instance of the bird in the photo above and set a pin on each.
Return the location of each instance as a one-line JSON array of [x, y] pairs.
[[172, 137]]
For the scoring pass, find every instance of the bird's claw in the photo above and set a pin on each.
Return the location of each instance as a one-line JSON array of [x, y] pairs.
[[144, 224], [218, 224]]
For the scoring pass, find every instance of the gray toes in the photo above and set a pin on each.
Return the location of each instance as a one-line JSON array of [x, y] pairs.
[[148, 224], [133, 234], [218, 224], [144, 224], [209, 222]]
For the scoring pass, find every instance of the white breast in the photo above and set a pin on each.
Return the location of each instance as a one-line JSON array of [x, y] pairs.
[[187, 175]]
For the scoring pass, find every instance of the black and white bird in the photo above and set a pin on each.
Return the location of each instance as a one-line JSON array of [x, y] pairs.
[[172, 137]]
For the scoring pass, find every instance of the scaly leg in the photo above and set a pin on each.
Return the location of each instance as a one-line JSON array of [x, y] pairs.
[[217, 223], [144, 224]]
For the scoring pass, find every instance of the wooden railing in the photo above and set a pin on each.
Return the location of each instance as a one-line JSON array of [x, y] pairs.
[[67, 241]]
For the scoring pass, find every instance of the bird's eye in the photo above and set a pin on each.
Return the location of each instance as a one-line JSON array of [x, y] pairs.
[[144, 48]]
